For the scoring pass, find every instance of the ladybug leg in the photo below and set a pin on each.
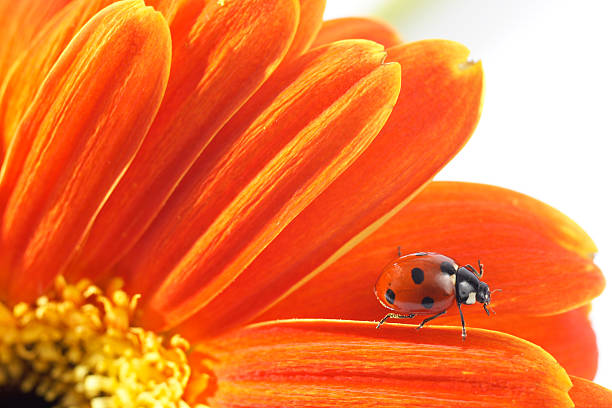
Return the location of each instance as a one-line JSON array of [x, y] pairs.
[[399, 251], [394, 316], [474, 271], [463, 333], [430, 318], [481, 268]]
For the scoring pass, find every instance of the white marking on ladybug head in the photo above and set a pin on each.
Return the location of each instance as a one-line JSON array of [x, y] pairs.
[[471, 298]]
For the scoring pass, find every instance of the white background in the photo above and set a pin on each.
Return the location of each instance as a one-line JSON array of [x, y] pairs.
[[546, 123]]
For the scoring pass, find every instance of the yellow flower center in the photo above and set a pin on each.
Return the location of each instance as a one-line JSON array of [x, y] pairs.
[[75, 348]]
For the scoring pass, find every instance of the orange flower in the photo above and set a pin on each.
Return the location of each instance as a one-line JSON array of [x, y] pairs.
[[215, 166]]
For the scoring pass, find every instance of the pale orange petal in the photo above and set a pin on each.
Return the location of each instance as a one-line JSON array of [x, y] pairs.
[[357, 27], [72, 145], [20, 22], [168, 8]]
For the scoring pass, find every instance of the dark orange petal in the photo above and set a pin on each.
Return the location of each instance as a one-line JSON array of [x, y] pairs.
[[568, 336], [587, 394], [346, 363], [32, 67], [437, 110], [255, 185], [311, 19], [222, 52], [539, 258], [82, 130], [357, 27]]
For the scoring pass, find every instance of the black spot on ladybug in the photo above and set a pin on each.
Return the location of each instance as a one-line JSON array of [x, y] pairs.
[[447, 267], [390, 296], [427, 302], [420, 253], [418, 275]]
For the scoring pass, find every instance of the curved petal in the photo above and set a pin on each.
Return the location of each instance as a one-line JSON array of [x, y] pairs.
[[168, 8], [357, 27], [20, 22], [311, 19], [319, 75], [222, 52], [568, 337], [306, 138], [30, 70], [540, 258], [72, 146], [587, 394], [346, 363], [437, 110]]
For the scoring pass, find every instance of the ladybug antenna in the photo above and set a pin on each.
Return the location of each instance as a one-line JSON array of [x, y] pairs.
[[484, 306], [491, 308]]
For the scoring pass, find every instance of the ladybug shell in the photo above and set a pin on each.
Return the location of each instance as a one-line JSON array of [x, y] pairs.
[[420, 283]]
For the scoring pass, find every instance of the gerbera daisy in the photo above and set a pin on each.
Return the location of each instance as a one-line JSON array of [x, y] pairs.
[[179, 176]]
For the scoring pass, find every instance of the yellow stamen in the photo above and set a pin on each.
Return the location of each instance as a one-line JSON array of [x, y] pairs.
[[75, 348]]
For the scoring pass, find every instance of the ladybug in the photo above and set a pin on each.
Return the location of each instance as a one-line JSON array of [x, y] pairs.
[[426, 283]]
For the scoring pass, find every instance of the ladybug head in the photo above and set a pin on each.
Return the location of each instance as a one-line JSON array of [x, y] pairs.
[[483, 294]]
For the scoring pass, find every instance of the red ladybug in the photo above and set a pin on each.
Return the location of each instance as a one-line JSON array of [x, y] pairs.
[[429, 283]]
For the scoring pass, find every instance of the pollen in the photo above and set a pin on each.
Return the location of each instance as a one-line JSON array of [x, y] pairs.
[[75, 347]]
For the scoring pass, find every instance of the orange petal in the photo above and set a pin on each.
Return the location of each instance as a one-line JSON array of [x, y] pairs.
[[437, 110], [587, 394], [168, 8], [20, 22], [311, 19], [82, 130], [357, 27], [323, 75], [346, 363], [255, 185], [568, 336], [32, 67], [222, 53], [540, 258]]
